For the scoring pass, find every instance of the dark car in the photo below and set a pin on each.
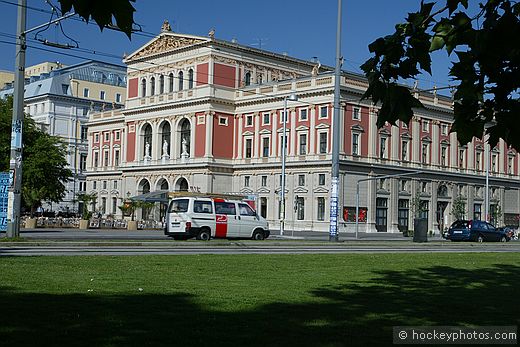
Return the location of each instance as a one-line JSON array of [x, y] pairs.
[[476, 230]]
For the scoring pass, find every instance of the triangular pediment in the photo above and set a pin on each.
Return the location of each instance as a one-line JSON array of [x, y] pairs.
[[302, 128], [320, 189], [246, 191], [265, 131], [164, 43], [263, 190], [301, 190], [248, 133]]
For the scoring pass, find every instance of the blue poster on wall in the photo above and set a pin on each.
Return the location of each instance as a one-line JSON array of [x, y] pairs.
[[4, 187]]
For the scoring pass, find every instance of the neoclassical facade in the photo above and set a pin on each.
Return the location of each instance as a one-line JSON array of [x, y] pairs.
[[203, 114]]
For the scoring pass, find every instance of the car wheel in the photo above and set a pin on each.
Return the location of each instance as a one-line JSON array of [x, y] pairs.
[[480, 239], [204, 235], [503, 239], [258, 235]]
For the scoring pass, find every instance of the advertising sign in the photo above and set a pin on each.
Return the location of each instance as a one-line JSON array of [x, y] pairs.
[[4, 188]]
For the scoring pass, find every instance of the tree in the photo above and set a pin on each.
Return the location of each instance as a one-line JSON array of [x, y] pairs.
[[418, 205], [44, 163], [486, 69], [458, 209], [86, 199], [102, 12]]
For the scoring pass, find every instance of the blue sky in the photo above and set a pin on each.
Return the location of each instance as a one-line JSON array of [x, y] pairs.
[[303, 29]]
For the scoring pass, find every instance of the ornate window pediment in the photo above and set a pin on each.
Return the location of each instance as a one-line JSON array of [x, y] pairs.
[[357, 128]]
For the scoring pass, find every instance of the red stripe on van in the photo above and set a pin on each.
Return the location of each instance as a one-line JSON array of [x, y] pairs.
[[221, 225]]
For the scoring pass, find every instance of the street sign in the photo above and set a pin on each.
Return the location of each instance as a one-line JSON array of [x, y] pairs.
[[4, 187]]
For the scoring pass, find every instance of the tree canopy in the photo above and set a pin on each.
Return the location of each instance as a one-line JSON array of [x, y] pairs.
[[102, 12], [44, 160], [485, 70]]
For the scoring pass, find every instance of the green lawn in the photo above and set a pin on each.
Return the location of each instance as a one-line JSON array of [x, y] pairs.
[[244, 300]]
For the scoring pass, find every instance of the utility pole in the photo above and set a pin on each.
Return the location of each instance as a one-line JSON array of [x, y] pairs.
[[333, 228], [15, 162]]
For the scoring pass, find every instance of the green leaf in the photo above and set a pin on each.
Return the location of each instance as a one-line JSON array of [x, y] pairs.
[[437, 43]]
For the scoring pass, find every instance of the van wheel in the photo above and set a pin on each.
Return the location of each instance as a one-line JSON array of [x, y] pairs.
[[204, 235], [480, 239], [258, 235]]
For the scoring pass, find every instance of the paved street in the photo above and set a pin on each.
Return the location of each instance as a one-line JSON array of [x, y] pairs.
[[122, 242]]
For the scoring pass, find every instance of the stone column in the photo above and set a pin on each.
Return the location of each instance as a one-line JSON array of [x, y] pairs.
[[240, 137], [274, 135], [256, 138], [209, 134], [292, 134], [416, 141], [394, 205], [312, 131]]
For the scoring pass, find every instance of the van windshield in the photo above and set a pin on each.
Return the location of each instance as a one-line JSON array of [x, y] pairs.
[[179, 205]]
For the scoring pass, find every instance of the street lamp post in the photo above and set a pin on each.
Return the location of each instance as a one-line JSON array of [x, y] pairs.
[[291, 97]]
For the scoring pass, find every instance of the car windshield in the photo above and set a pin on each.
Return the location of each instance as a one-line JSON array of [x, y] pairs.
[[460, 224], [179, 205]]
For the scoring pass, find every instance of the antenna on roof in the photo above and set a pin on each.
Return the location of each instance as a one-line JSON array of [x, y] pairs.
[[259, 43]]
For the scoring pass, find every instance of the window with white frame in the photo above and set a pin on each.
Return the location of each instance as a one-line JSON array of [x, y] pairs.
[[222, 121], [303, 144], [118, 97], [264, 181], [282, 117], [510, 165], [324, 112], [96, 159], [116, 157], [403, 184], [94, 185], [494, 161], [404, 150], [321, 179], [118, 135], [444, 129], [425, 151], [321, 209], [96, 137], [249, 148], [478, 161], [444, 155], [303, 114], [382, 147], [265, 147], [355, 144], [86, 92], [424, 187], [246, 181], [300, 208], [425, 126], [301, 180], [114, 184], [462, 156], [266, 118], [102, 95], [323, 145], [356, 113], [282, 144], [249, 120], [107, 136], [82, 162], [104, 184], [105, 156]]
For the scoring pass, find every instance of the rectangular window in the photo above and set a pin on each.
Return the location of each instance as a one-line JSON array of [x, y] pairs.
[[107, 136], [324, 112], [104, 184], [225, 208], [116, 158], [282, 117], [301, 180], [477, 211], [300, 208], [249, 120], [85, 111], [118, 135], [249, 148], [96, 138], [494, 159], [444, 129], [65, 89], [265, 147], [102, 95], [478, 161], [105, 158], [425, 126], [382, 148], [323, 143], [402, 214], [103, 205], [118, 98], [82, 162], [381, 213], [94, 184], [222, 121], [510, 166], [461, 158], [404, 150], [114, 205], [424, 152], [356, 113], [264, 181], [114, 184], [86, 92], [246, 181], [355, 144], [263, 207], [266, 119], [321, 179], [202, 206], [321, 209], [84, 133], [303, 114], [303, 144], [282, 143], [444, 151], [96, 159]]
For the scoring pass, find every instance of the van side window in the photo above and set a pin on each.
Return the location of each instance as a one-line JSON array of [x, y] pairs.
[[225, 208], [202, 207], [179, 205], [245, 210]]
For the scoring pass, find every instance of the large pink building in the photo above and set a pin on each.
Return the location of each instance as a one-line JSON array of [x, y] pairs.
[[206, 115]]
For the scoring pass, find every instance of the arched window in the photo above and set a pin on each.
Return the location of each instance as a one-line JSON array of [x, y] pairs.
[[143, 87], [161, 84], [190, 79], [181, 185], [170, 82], [248, 79], [185, 130], [152, 86], [181, 80], [144, 187], [147, 140], [165, 138]]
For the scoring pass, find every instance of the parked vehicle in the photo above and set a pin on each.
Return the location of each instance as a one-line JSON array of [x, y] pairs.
[[208, 217], [509, 232], [475, 230]]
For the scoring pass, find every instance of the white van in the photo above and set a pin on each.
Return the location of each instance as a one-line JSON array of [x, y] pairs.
[[207, 217]]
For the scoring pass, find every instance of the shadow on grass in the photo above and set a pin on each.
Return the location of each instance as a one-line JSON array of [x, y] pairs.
[[349, 314]]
